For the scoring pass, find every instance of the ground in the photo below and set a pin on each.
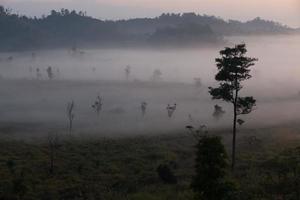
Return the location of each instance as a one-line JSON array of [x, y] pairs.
[[93, 167]]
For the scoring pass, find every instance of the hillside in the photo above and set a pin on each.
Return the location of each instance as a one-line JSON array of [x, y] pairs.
[[70, 28]]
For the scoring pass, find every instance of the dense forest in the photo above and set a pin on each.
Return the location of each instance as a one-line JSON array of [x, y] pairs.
[[70, 28]]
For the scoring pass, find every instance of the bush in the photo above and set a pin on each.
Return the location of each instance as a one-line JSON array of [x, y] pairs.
[[166, 174], [210, 181]]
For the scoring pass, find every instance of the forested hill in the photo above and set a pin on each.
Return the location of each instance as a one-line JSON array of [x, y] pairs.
[[70, 28]]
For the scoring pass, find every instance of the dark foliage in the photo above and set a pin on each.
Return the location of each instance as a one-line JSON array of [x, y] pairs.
[[234, 68], [210, 181], [166, 174]]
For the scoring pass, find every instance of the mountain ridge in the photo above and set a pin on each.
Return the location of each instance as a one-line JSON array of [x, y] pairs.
[[67, 28]]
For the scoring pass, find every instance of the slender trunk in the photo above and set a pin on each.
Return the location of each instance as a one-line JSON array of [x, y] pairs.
[[70, 126], [234, 127]]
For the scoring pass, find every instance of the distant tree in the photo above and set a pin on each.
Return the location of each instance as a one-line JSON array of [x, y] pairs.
[[97, 105], [70, 115], [127, 72], [210, 181], [156, 76], [54, 13], [219, 112], [50, 73], [4, 11], [233, 69], [171, 109], [144, 108]]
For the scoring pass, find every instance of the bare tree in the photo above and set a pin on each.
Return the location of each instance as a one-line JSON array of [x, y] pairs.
[[144, 108], [97, 106], [70, 115], [50, 73], [127, 72], [171, 110]]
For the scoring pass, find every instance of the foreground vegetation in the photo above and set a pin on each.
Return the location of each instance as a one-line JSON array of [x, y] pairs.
[[156, 167]]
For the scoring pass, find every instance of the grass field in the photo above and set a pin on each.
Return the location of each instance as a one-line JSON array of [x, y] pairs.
[[93, 167]]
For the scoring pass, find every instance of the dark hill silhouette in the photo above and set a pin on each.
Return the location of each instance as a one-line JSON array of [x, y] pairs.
[[70, 28], [218, 25], [185, 35]]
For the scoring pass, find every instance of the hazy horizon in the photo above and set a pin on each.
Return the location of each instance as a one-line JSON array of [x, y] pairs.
[[283, 11]]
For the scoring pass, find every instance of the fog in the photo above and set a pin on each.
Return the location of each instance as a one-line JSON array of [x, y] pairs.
[[40, 105]]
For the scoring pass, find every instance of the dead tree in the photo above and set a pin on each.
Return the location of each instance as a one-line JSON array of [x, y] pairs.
[[50, 73], [144, 108], [97, 106], [127, 72], [70, 115], [171, 110]]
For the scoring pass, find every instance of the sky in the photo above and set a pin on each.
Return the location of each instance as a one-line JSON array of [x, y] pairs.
[[283, 11]]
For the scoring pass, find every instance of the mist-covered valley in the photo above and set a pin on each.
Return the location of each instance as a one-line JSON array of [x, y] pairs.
[[149, 100], [126, 77]]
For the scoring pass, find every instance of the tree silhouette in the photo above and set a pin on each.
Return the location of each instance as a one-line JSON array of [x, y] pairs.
[[97, 106], [127, 72], [144, 108], [233, 69], [210, 181], [50, 73], [171, 109], [156, 76], [219, 112]]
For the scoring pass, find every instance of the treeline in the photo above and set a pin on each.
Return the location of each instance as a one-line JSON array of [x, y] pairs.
[[66, 28]]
